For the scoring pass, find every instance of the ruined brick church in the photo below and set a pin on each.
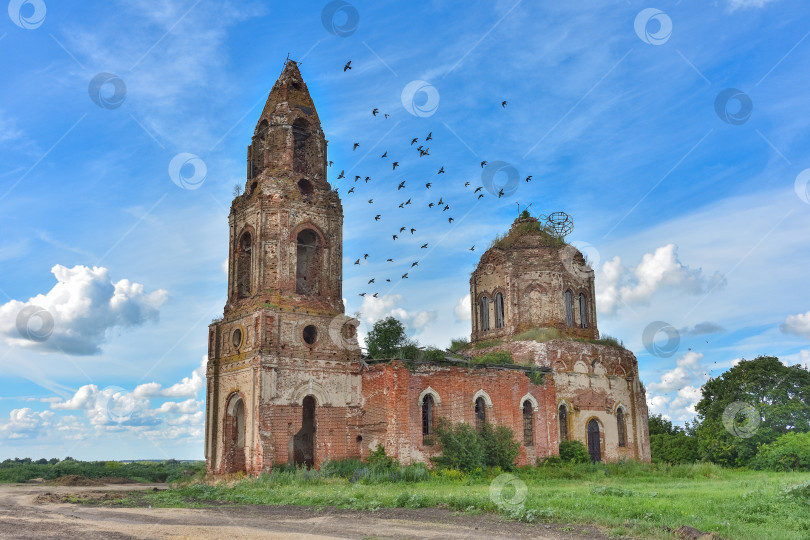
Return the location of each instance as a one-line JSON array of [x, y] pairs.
[[286, 381]]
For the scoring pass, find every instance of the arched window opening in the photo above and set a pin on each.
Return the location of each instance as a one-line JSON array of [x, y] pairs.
[[304, 440], [427, 419], [563, 423], [306, 189], [528, 417], [307, 269], [244, 264], [235, 435], [622, 428], [498, 310], [258, 147], [301, 136], [484, 313], [569, 309], [480, 413], [583, 311], [594, 441]]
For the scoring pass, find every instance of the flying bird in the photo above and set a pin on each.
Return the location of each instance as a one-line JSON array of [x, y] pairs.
[[355, 146], [331, 163], [367, 179], [388, 280], [503, 104], [413, 230], [446, 207], [440, 201], [402, 229], [386, 115], [407, 202], [362, 294], [385, 155], [424, 152], [370, 201], [348, 66], [500, 193], [414, 140], [351, 190], [401, 185], [479, 188], [375, 295], [430, 205], [424, 246], [365, 256], [357, 261], [375, 111], [449, 220], [480, 195], [341, 175], [377, 217], [356, 178], [428, 185], [441, 171], [405, 275], [416, 263], [472, 248], [389, 260], [370, 281], [395, 165], [402, 205], [466, 184], [395, 236], [429, 136], [483, 163], [529, 178]]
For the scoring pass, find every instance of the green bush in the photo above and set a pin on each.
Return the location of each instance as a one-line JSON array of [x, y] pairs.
[[377, 458], [574, 452], [432, 354], [495, 357], [500, 446], [790, 452], [459, 344], [466, 449]]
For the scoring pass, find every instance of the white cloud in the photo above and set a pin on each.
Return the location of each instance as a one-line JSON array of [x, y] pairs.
[[188, 387], [737, 4], [26, 424], [687, 370], [375, 309], [798, 325], [656, 271], [84, 307], [462, 309]]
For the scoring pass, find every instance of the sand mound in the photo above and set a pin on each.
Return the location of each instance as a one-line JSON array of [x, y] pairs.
[[73, 480]]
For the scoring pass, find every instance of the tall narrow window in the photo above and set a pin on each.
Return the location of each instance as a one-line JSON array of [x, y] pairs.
[[583, 311], [528, 432], [257, 151], [480, 413], [244, 264], [622, 429], [499, 310], [308, 263], [569, 309], [563, 423], [427, 419], [484, 313], [301, 135]]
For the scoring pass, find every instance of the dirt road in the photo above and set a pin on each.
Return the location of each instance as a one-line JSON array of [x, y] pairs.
[[32, 512]]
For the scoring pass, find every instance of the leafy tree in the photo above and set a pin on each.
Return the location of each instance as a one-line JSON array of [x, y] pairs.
[[574, 452], [462, 447], [761, 400], [790, 452], [386, 338], [672, 444]]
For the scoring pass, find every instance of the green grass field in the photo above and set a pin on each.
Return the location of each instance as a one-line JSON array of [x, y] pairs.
[[628, 499]]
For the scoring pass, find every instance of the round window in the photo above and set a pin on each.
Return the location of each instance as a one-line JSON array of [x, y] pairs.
[[237, 338], [310, 334]]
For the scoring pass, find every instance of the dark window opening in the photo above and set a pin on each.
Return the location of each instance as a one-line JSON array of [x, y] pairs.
[[244, 263], [308, 263], [359, 438], [480, 413], [594, 441], [427, 419], [235, 436], [304, 440], [258, 147], [305, 187], [583, 313], [569, 309], [237, 338], [301, 144], [563, 423], [528, 432], [310, 334], [621, 428], [484, 313], [499, 311]]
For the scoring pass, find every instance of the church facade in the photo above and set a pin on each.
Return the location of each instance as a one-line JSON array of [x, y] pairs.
[[286, 381]]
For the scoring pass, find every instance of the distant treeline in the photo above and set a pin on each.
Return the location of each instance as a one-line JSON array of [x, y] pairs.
[[22, 470]]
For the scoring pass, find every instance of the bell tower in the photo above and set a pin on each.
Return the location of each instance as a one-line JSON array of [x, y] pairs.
[[283, 351]]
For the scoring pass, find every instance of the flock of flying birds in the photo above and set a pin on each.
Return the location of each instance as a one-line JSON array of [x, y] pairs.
[[423, 149]]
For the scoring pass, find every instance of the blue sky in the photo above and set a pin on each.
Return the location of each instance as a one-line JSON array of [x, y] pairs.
[[694, 212]]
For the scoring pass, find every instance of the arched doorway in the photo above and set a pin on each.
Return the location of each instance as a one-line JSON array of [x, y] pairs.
[[594, 441], [235, 435], [304, 440]]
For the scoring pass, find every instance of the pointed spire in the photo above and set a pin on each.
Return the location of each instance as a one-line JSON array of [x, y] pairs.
[[290, 89]]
